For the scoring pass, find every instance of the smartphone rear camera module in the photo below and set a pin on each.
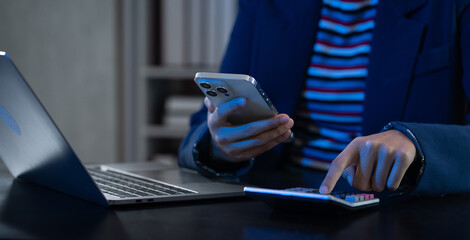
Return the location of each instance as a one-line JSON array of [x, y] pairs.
[[222, 90], [205, 85], [211, 93]]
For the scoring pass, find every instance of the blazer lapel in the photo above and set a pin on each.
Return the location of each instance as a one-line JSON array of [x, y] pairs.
[[395, 45]]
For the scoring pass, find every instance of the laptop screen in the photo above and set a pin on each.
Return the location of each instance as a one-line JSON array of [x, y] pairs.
[[31, 145]]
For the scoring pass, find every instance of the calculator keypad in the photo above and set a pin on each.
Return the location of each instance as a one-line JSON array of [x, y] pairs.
[[350, 197]]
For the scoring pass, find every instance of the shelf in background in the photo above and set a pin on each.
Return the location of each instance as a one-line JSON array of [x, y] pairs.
[[175, 72], [166, 43]]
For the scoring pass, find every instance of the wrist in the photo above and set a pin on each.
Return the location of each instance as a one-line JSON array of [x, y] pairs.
[[216, 154], [220, 162], [415, 171]]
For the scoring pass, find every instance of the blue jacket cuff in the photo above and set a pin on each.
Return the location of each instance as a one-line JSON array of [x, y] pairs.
[[213, 168], [415, 171]]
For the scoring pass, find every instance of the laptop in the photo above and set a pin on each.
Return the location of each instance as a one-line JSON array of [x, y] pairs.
[[34, 149]]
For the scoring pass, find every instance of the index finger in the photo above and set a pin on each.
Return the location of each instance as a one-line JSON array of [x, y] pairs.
[[223, 111], [209, 105], [254, 128], [345, 159]]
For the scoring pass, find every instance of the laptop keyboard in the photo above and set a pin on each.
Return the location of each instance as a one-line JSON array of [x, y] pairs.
[[125, 186]]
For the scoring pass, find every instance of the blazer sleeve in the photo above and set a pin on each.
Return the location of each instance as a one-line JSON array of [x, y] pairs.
[[194, 149], [444, 149]]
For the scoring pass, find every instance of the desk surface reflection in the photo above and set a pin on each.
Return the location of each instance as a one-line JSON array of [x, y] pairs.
[[30, 211]]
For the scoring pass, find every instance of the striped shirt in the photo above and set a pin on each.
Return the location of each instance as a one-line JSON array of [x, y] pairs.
[[329, 114]]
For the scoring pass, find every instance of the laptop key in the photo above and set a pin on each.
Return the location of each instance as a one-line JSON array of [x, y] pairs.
[[124, 186]]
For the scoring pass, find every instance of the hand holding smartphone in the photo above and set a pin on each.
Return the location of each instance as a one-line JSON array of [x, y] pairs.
[[220, 88], [241, 130]]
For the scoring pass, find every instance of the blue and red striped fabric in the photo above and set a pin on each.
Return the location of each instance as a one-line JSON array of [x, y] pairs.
[[329, 114]]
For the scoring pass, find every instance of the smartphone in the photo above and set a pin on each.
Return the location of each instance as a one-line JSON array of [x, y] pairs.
[[220, 88]]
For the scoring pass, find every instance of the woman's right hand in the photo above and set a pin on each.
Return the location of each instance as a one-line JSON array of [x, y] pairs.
[[243, 142]]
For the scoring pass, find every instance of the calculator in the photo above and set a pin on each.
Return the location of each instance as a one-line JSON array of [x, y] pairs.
[[309, 199]]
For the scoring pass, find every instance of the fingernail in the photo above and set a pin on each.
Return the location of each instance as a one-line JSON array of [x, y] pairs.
[[284, 119], [323, 189], [240, 101]]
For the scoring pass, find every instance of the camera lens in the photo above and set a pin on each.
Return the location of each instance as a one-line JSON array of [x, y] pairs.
[[205, 85], [211, 93], [222, 90]]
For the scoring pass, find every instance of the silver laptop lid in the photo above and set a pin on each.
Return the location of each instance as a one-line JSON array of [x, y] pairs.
[[31, 146]]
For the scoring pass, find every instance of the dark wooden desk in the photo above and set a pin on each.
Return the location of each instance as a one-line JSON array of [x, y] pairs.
[[29, 211]]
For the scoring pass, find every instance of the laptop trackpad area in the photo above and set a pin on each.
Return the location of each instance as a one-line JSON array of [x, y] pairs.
[[162, 172]]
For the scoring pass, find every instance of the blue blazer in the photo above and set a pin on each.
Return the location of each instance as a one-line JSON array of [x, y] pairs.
[[419, 76]]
